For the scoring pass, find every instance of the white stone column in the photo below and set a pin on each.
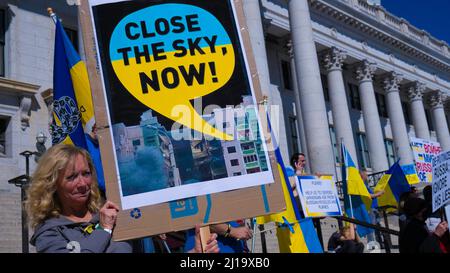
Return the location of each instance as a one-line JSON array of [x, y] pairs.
[[372, 125], [332, 61], [312, 101], [397, 120], [419, 119], [298, 108], [256, 32], [439, 119]]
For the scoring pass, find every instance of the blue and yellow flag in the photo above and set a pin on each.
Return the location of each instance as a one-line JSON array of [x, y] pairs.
[[357, 200], [394, 183], [291, 214], [72, 101], [301, 239], [300, 236], [73, 111], [411, 174]]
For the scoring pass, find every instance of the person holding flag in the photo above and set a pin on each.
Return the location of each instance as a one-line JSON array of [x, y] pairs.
[[398, 189], [394, 184], [373, 212]]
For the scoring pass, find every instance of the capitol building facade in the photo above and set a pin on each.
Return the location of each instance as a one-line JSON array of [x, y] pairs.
[[339, 70]]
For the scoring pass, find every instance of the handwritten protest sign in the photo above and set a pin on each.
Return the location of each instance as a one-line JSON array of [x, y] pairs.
[[441, 180], [424, 151], [318, 196]]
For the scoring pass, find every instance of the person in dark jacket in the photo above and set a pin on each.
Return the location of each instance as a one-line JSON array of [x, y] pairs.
[[64, 207], [346, 240], [415, 237]]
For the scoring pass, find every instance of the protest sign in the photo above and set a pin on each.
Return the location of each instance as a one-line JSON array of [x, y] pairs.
[[318, 196], [181, 134], [441, 180], [424, 151]]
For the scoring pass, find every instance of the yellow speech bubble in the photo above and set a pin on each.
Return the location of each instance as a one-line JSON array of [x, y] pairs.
[[169, 54]]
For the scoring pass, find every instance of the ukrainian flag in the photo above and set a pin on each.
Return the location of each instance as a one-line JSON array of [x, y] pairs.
[[357, 200], [420, 157], [301, 236], [394, 184], [72, 102], [301, 239], [410, 174]]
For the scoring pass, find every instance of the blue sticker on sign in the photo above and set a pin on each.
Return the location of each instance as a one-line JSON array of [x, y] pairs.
[[183, 207], [135, 213]]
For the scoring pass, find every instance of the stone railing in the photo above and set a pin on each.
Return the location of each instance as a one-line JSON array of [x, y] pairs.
[[416, 33], [393, 21], [399, 24]]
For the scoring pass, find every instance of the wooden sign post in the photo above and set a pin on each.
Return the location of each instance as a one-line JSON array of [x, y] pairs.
[[204, 237]]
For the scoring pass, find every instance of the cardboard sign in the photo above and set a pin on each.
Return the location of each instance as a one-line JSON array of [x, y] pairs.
[[318, 196], [180, 132], [424, 151], [441, 180]]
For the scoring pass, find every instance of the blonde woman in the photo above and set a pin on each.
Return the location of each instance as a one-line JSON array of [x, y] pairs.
[[64, 206]]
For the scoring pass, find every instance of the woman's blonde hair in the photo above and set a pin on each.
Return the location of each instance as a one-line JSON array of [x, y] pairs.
[[42, 200]]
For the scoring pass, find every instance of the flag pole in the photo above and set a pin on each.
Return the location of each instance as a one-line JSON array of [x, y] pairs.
[[52, 14], [166, 246], [351, 205], [346, 174], [253, 237]]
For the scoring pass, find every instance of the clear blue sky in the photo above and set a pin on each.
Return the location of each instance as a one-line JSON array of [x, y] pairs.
[[430, 15]]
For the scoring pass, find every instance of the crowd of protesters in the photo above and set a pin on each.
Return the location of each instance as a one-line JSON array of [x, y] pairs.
[[69, 213]]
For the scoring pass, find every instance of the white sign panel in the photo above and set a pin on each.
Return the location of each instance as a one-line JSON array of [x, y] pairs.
[[156, 58], [424, 151], [319, 197], [441, 180]]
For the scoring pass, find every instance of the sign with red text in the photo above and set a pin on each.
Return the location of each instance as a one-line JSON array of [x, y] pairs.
[[424, 151]]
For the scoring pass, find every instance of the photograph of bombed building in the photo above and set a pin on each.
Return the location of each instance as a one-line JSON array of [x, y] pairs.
[[151, 158]]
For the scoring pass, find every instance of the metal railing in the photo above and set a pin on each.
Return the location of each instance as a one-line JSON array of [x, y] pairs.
[[384, 232], [372, 180]]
